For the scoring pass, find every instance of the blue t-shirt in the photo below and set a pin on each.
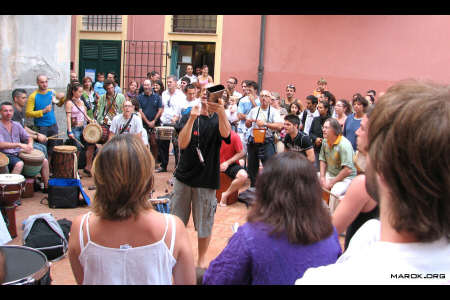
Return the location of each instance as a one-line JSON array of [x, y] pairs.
[[150, 104], [244, 107], [350, 126], [42, 100]]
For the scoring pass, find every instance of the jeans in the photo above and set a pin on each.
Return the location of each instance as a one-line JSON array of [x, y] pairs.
[[49, 131], [256, 153], [78, 132]]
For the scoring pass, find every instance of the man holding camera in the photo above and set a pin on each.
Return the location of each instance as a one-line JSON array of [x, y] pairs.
[[262, 122], [197, 175]]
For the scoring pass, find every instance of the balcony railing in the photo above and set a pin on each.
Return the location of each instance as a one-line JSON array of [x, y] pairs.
[[194, 23]]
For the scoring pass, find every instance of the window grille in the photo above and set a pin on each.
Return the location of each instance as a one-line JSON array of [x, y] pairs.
[[194, 23], [109, 23], [142, 57]]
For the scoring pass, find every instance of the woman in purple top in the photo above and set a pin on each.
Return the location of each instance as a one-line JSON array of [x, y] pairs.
[[289, 229]]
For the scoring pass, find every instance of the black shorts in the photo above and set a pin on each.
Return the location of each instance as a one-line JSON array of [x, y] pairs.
[[233, 169]]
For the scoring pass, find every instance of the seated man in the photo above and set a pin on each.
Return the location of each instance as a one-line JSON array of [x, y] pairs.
[[296, 140], [126, 122], [20, 97], [229, 164], [39, 140], [336, 162], [13, 139]]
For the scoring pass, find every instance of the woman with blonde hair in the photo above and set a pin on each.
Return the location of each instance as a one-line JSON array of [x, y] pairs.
[[123, 240]]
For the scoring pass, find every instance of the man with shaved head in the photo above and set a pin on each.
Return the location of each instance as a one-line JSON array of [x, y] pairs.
[[40, 106]]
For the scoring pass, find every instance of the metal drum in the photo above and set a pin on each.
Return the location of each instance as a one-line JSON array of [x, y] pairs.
[[164, 132], [24, 266]]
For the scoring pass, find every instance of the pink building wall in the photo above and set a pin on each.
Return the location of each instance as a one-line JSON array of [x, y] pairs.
[[354, 53], [146, 27], [240, 47]]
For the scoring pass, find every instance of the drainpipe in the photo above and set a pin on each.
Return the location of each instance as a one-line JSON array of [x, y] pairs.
[[261, 52]]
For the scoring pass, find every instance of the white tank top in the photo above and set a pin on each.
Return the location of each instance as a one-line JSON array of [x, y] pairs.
[[150, 264]]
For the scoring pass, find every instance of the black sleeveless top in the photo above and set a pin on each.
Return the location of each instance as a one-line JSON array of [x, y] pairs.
[[362, 218]]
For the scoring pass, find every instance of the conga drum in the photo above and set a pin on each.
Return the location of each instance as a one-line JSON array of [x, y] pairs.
[[93, 133], [225, 182], [11, 189], [32, 162], [259, 135], [4, 162], [25, 266], [64, 162]]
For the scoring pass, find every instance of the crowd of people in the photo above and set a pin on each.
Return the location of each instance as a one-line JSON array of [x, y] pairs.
[[358, 168]]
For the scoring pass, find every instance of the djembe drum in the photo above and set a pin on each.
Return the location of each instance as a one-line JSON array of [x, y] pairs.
[[92, 133], [64, 162], [11, 189], [32, 162], [4, 162], [95, 133]]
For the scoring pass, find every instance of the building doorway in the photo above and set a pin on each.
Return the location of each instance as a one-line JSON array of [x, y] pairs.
[[99, 56], [192, 53]]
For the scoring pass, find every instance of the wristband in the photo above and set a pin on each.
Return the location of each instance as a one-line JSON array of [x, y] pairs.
[[69, 132]]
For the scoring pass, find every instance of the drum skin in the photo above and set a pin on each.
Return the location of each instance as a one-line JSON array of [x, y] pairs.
[[92, 133], [25, 266]]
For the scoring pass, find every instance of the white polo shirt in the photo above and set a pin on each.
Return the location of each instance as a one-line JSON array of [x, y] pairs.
[[309, 118], [173, 104]]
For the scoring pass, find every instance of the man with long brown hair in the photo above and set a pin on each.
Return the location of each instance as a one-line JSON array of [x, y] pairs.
[[407, 173]]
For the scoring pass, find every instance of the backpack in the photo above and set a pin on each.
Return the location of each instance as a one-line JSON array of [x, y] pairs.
[[42, 232], [247, 196]]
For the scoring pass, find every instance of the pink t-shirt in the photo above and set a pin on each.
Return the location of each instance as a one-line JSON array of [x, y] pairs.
[[76, 113]]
